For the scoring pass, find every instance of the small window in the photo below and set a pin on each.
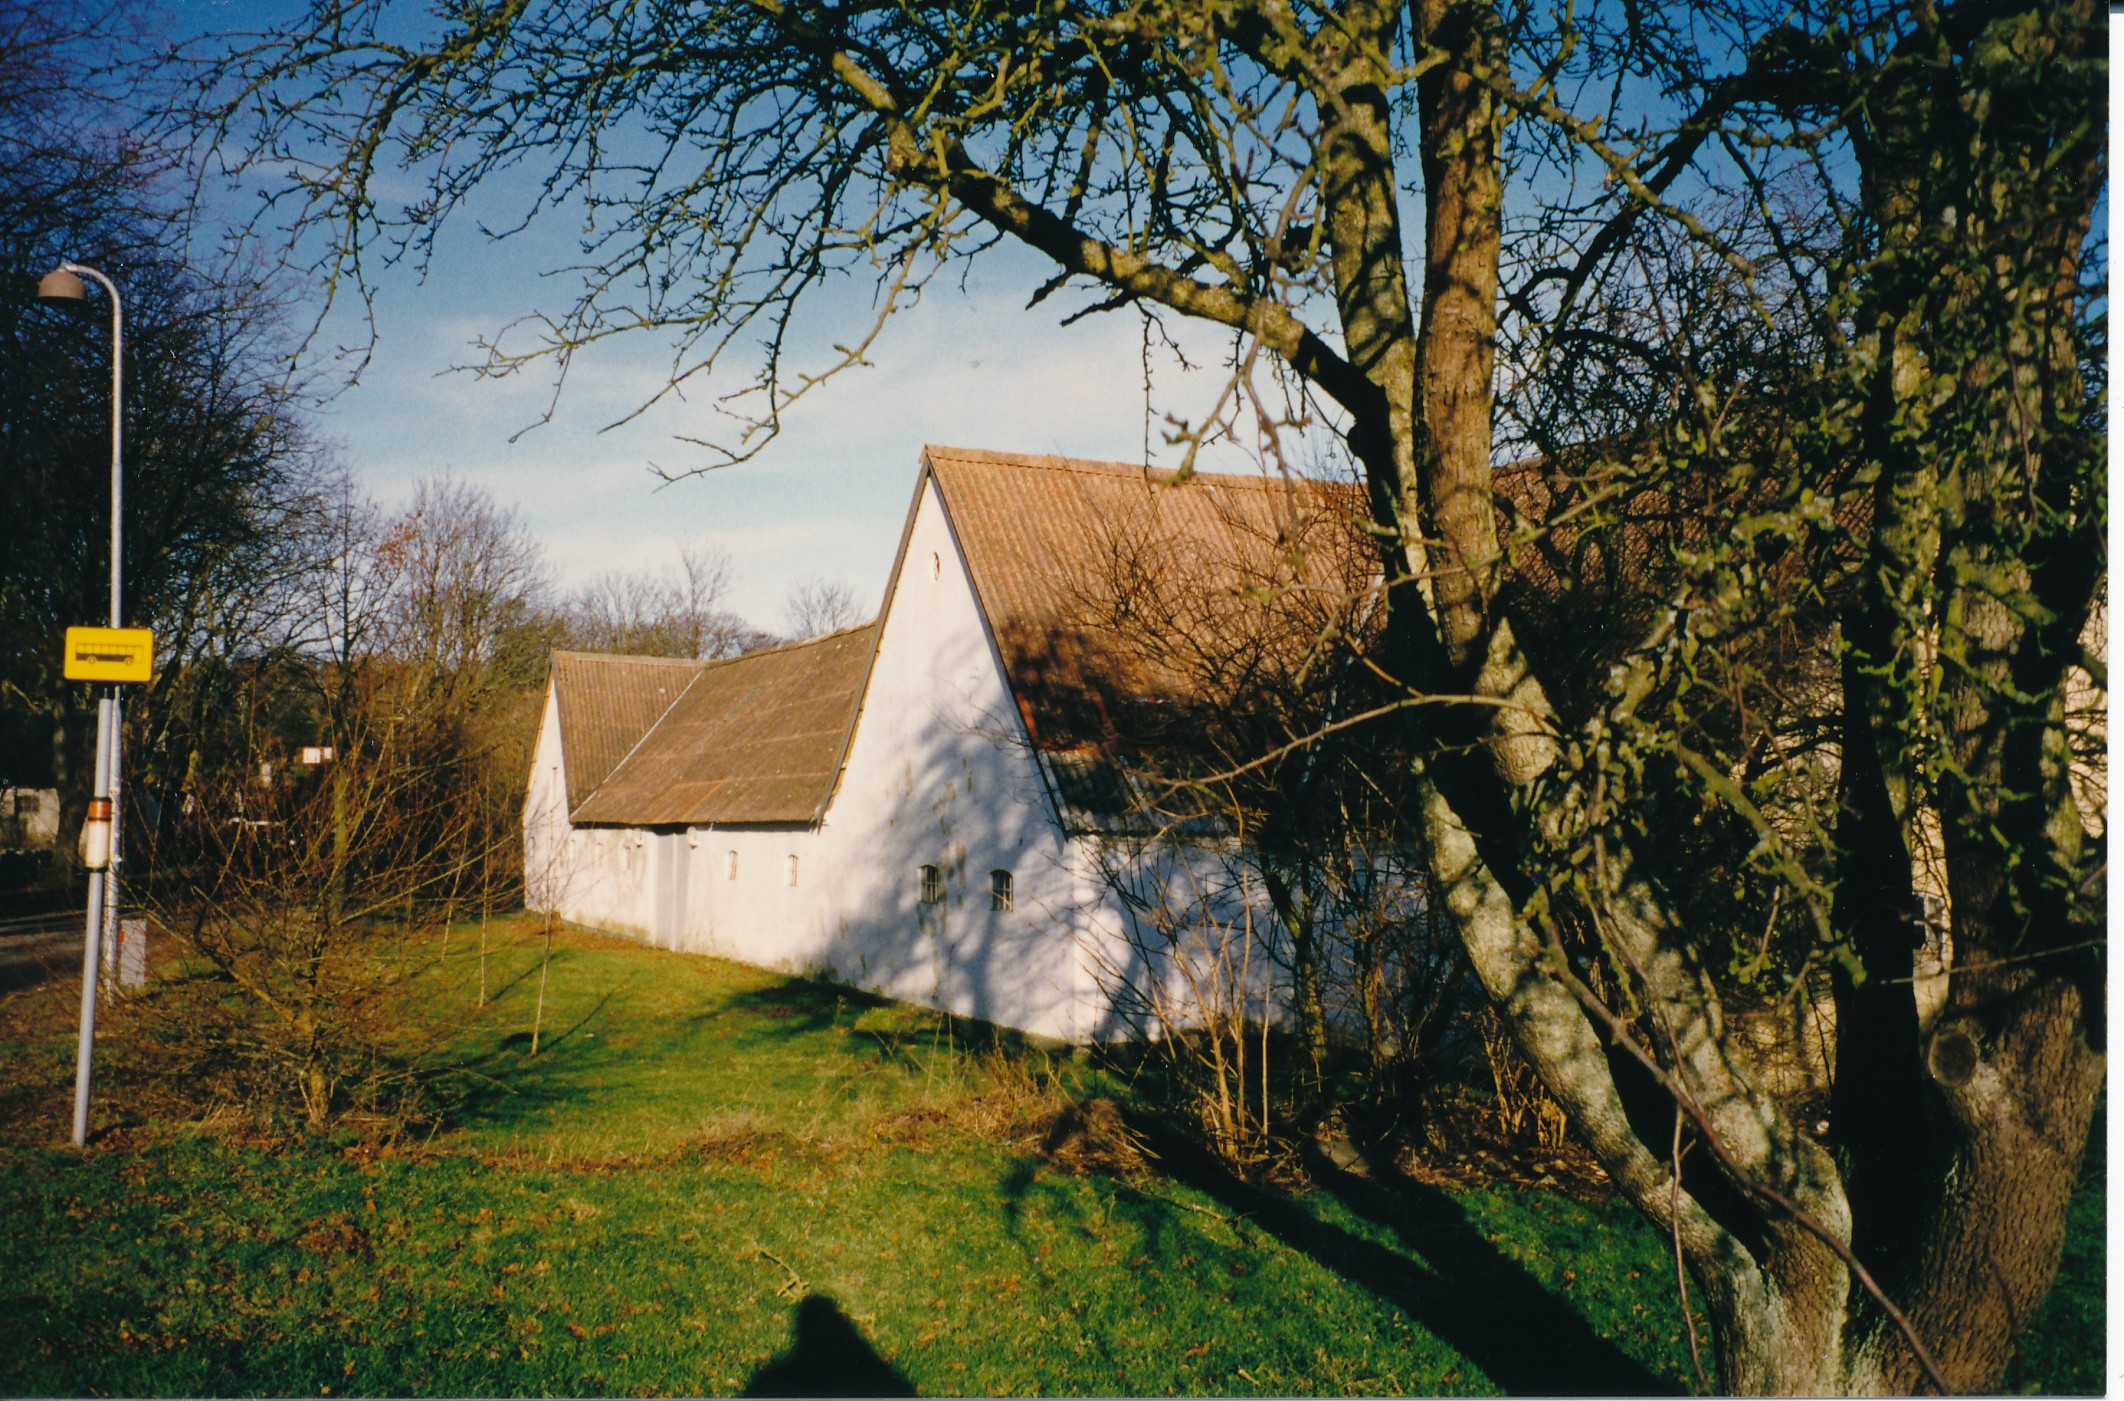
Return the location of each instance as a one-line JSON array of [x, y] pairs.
[[730, 869], [936, 566], [792, 868], [932, 886], [999, 890]]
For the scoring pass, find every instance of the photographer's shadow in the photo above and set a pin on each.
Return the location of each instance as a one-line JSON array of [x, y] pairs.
[[827, 1356]]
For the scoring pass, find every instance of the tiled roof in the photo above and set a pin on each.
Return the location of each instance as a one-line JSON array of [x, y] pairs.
[[1124, 602], [1062, 550], [757, 738], [606, 705]]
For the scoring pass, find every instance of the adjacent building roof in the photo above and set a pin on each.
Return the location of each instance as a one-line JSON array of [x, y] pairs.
[[606, 705], [757, 738]]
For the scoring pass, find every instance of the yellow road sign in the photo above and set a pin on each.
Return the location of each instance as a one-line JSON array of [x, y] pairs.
[[109, 654]]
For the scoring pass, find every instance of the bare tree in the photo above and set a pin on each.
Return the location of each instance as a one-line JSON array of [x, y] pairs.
[[1229, 700], [218, 463], [1906, 188], [674, 614], [467, 575], [819, 606], [379, 774]]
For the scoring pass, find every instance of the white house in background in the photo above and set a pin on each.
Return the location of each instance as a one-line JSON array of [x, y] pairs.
[[917, 806]]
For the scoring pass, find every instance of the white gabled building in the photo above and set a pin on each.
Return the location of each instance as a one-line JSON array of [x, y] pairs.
[[918, 806]]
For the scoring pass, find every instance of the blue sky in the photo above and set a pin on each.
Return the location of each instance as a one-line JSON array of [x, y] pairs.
[[968, 366], [824, 500]]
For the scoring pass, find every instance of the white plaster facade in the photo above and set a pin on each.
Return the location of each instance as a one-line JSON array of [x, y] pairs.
[[939, 772]]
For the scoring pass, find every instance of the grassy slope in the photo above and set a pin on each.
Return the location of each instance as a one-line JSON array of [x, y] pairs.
[[699, 1149]]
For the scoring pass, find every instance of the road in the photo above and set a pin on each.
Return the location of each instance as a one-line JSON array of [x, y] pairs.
[[39, 948]]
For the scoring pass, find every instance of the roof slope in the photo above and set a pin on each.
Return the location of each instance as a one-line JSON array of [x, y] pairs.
[[606, 705], [1126, 606], [757, 738], [1089, 572]]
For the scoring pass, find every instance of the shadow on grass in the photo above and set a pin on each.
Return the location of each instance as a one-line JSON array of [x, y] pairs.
[[804, 1007], [503, 989], [791, 1008], [552, 1038], [507, 1084], [1448, 1278], [827, 1356]]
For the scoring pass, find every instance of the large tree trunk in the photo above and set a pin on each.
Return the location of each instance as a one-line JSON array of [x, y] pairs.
[[1965, 1146], [1982, 160]]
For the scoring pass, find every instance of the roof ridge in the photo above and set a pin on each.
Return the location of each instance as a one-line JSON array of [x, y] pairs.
[[700, 663], [1087, 466], [792, 645], [647, 659]]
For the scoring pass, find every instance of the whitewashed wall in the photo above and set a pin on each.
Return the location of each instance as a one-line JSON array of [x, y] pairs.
[[547, 834], [939, 773], [948, 777], [604, 877], [1182, 935]]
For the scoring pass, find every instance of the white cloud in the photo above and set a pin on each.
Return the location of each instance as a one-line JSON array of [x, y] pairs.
[[827, 497]]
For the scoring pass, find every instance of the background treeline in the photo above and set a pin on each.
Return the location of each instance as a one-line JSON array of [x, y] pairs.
[[332, 754]]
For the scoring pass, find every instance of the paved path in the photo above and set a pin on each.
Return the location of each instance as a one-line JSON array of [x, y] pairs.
[[40, 948]]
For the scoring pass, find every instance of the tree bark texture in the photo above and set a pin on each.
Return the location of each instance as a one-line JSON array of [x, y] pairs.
[[1982, 186], [1964, 1181]]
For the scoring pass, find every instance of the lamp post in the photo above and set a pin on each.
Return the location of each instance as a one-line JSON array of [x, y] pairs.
[[63, 284]]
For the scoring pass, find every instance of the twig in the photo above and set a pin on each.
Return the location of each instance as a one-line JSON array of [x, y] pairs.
[[1681, 1272], [790, 1287]]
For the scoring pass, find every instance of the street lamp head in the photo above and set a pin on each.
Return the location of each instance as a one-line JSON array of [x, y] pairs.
[[59, 285]]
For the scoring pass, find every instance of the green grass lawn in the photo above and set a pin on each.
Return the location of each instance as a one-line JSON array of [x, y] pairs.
[[710, 1179]]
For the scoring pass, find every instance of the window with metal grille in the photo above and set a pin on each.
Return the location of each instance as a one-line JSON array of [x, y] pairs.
[[792, 868], [932, 886], [999, 890]]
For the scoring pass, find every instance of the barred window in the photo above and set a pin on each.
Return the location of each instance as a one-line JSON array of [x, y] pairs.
[[932, 886], [792, 868], [999, 890]]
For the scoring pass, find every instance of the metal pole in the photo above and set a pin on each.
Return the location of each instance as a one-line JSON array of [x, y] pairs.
[[117, 783], [117, 430], [106, 728], [112, 877], [92, 944]]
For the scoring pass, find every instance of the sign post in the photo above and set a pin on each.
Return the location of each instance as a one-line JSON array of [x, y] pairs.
[[63, 284], [119, 657]]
